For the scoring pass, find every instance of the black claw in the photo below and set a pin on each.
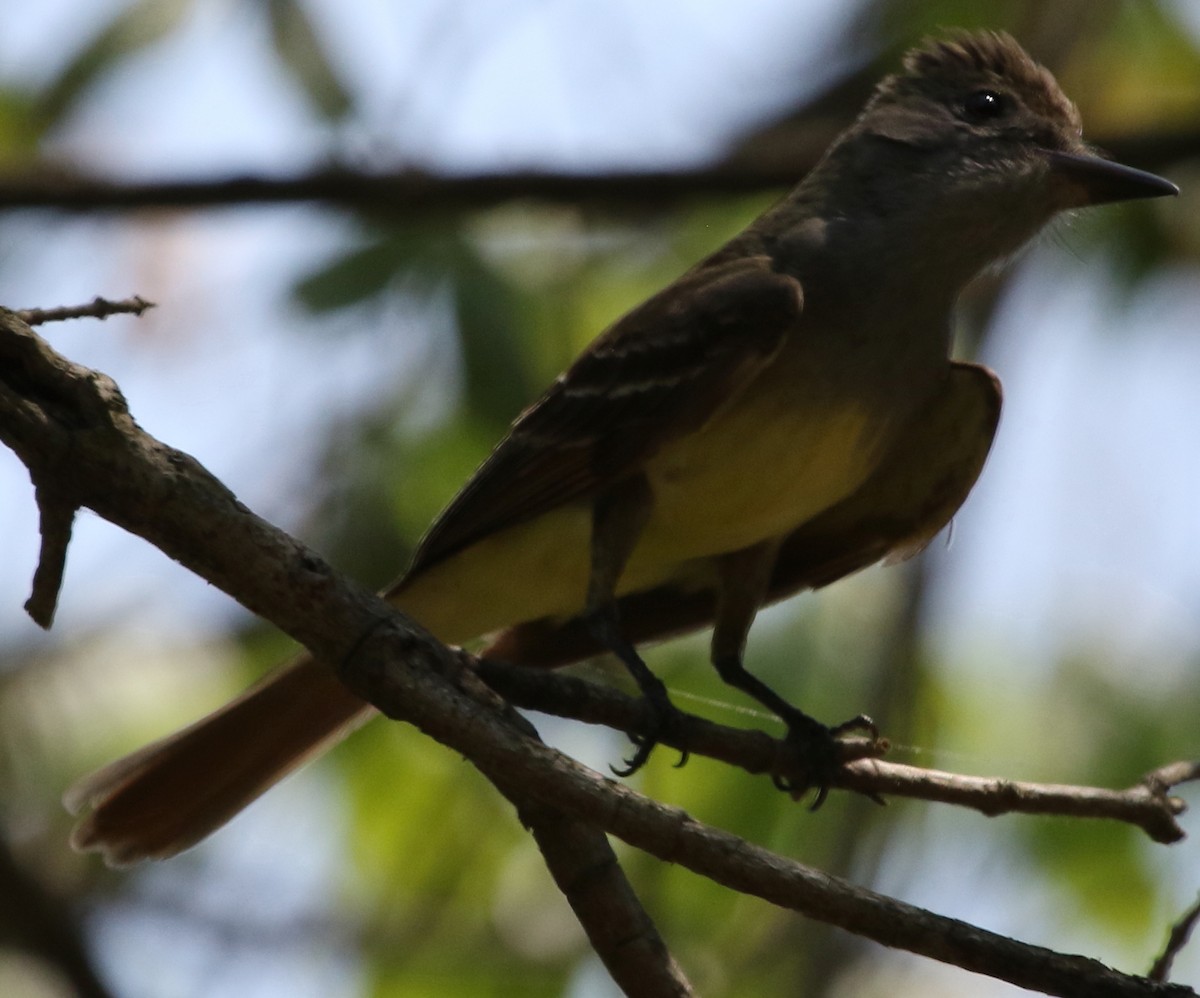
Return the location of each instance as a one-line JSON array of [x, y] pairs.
[[820, 798], [666, 720], [643, 747]]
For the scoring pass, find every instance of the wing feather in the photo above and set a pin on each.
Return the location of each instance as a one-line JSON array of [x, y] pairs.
[[659, 372], [908, 499]]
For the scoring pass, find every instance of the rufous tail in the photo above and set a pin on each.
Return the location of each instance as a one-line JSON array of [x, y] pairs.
[[171, 794]]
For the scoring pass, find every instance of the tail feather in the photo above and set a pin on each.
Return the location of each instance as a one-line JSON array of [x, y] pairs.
[[171, 794]]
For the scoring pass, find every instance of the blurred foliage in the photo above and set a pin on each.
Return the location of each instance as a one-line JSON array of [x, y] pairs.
[[438, 889], [131, 31], [136, 28], [1142, 73], [299, 47]]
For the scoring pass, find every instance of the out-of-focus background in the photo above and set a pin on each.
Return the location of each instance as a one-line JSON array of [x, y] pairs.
[[344, 370]]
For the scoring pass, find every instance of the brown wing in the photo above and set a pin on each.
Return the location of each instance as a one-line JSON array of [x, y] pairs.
[[908, 499], [659, 372]]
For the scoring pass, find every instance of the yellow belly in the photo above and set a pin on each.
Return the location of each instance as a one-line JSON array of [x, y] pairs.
[[747, 476], [532, 570], [755, 474]]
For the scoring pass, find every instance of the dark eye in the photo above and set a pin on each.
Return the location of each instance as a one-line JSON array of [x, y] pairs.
[[984, 105]]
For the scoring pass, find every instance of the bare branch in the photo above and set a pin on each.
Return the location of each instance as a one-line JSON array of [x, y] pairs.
[[72, 428], [675, 837], [583, 864], [585, 868], [97, 308], [1146, 804], [792, 150], [412, 193]]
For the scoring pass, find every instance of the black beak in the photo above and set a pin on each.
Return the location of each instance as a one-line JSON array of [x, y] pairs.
[[1100, 181]]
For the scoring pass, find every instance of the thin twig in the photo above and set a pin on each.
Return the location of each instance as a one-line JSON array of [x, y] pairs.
[[1181, 932], [97, 308], [1146, 805], [56, 518]]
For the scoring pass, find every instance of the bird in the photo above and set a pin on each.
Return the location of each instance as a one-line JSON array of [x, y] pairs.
[[785, 413]]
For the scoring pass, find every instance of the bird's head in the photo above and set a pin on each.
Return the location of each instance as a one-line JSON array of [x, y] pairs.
[[972, 136]]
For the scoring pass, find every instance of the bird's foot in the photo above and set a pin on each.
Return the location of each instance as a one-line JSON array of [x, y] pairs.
[[817, 751], [666, 722]]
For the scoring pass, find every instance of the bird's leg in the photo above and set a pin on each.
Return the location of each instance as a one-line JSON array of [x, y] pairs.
[[618, 517], [743, 582]]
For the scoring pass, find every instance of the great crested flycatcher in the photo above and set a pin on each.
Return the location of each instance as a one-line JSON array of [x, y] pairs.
[[783, 414]]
